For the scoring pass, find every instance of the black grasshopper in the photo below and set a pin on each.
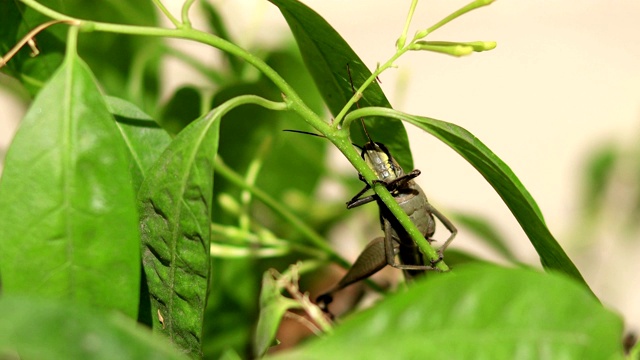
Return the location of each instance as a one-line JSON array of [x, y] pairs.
[[396, 248]]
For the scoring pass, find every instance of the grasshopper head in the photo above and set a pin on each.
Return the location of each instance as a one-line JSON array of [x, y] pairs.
[[379, 159]]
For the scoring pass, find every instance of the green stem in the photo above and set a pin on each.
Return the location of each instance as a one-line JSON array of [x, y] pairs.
[[463, 10], [185, 13], [72, 44], [250, 239], [166, 13], [403, 37], [338, 119]]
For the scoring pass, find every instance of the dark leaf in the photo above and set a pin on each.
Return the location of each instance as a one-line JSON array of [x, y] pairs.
[[326, 55]]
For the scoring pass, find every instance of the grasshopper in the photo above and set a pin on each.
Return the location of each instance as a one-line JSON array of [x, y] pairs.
[[396, 243]]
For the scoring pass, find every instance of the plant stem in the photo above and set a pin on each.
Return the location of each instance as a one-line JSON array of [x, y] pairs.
[[403, 37], [166, 13], [185, 13], [463, 10]]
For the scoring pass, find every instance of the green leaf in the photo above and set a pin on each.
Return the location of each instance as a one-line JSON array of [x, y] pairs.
[[273, 306], [175, 206], [144, 138], [68, 214], [503, 180], [326, 55], [44, 329], [478, 312]]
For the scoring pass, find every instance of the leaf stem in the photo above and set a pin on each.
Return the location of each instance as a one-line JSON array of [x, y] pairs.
[[167, 13], [403, 37], [463, 10], [185, 13]]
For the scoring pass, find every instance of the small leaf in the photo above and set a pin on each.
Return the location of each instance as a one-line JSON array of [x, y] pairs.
[[144, 138], [175, 206], [478, 312], [273, 306], [326, 55], [44, 329], [68, 214]]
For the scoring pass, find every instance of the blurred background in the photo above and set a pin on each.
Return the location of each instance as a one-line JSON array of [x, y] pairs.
[[558, 100]]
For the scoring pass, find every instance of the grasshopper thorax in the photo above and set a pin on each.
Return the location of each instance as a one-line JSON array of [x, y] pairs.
[[377, 156]]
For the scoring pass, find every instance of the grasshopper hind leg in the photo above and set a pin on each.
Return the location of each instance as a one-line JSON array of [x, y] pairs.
[[370, 261]]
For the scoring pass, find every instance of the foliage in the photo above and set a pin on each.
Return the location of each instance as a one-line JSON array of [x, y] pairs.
[[207, 195]]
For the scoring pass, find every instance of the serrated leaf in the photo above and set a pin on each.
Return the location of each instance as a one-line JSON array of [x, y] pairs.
[[478, 312], [175, 206], [68, 214], [39, 329], [144, 138], [326, 55]]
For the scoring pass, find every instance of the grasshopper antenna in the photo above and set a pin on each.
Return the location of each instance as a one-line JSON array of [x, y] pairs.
[[305, 132], [314, 134]]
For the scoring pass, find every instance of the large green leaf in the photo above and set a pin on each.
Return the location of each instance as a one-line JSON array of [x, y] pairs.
[[503, 180], [326, 55], [44, 329], [68, 214], [478, 312], [175, 206]]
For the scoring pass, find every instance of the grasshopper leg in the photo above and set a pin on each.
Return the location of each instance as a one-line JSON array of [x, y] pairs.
[[369, 262]]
